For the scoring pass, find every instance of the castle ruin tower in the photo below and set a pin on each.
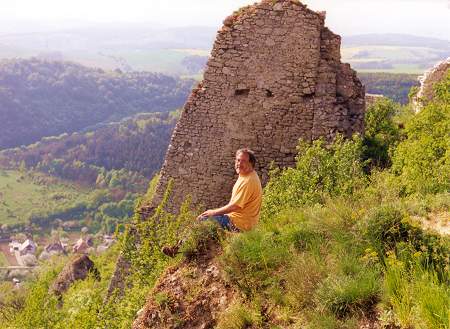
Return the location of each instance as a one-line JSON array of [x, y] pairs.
[[274, 76]]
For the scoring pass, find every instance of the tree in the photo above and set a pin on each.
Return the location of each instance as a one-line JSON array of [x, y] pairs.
[[381, 134]]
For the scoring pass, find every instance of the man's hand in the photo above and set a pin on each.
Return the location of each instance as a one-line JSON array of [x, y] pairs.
[[207, 213], [219, 211]]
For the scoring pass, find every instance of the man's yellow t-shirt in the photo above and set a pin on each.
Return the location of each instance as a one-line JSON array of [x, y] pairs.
[[247, 194]]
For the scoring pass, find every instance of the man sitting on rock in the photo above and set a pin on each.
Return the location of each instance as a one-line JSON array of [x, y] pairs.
[[243, 210]]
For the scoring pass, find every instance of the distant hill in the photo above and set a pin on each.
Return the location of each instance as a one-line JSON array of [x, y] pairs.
[[144, 47], [393, 53], [139, 47], [394, 86], [136, 144], [393, 39], [45, 98]]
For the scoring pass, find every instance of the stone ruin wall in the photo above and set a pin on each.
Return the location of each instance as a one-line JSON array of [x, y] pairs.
[[427, 82], [274, 76]]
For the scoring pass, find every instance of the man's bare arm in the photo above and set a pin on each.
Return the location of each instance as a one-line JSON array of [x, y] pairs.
[[219, 211]]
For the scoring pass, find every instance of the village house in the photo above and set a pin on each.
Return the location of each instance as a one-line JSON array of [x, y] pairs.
[[108, 241], [83, 245], [14, 245], [56, 247], [27, 247]]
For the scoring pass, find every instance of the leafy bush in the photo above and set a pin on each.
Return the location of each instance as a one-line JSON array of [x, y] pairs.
[[391, 230], [144, 240], [422, 160], [321, 170], [381, 133], [141, 246], [386, 226]]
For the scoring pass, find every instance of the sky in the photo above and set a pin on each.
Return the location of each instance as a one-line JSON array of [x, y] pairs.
[[346, 17]]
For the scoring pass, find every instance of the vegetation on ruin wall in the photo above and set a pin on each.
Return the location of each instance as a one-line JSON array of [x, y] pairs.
[[338, 249], [42, 98]]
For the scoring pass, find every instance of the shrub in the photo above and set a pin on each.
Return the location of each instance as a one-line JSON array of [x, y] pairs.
[[141, 246], [200, 237], [386, 225], [390, 230], [40, 309], [381, 134], [422, 160], [143, 241], [321, 170]]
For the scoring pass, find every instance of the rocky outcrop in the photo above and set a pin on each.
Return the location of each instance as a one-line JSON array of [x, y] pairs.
[[190, 295], [274, 76], [78, 269], [428, 81]]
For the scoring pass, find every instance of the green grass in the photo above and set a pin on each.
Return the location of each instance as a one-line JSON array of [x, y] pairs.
[[3, 260], [22, 194]]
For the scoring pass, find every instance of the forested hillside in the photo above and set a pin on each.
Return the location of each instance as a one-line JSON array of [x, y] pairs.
[[42, 98], [136, 144], [83, 179], [393, 86]]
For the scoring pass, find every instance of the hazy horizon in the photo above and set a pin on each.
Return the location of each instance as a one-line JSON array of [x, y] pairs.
[[347, 17]]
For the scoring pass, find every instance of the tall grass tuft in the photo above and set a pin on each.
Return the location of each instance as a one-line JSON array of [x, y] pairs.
[[239, 315], [345, 294]]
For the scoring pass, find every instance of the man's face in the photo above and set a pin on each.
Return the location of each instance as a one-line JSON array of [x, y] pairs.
[[242, 164]]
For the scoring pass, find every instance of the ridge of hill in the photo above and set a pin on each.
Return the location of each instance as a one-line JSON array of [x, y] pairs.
[[395, 39], [42, 98]]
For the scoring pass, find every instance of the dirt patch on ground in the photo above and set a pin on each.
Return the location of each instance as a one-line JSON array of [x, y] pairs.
[[437, 221], [189, 295], [4, 248]]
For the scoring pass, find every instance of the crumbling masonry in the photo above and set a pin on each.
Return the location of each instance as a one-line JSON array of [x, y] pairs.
[[274, 76], [428, 82]]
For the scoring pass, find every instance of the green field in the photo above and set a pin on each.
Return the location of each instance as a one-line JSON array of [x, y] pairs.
[[391, 59], [153, 60], [24, 193]]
